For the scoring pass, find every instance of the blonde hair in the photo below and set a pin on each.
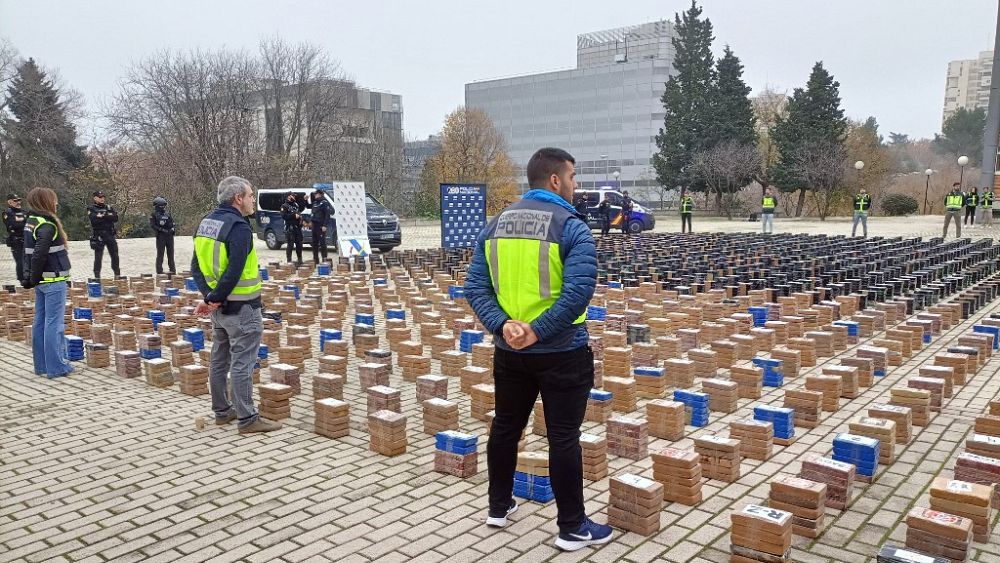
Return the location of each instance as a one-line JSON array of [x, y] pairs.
[[45, 200]]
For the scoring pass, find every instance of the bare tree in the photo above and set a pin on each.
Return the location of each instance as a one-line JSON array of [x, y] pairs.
[[726, 168], [823, 167], [768, 106], [195, 110]]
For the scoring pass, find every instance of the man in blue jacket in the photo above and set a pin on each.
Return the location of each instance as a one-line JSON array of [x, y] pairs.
[[532, 275]]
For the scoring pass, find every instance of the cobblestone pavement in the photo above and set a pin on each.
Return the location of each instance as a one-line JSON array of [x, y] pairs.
[[94, 467]]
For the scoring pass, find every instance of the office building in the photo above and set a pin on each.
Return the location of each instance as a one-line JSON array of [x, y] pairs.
[[968, 84]]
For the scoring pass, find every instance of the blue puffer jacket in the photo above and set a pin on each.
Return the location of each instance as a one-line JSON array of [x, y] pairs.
[[579, 256]]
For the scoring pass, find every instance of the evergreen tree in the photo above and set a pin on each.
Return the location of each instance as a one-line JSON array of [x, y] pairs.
[[962, 134], [733, 115], [687, 101], [814, 125], [40, 140]]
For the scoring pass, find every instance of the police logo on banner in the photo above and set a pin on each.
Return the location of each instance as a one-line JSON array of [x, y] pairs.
[[463, 214]]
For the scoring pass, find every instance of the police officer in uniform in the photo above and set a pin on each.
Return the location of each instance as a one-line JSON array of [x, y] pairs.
[[687, 206], [291, 214], [321, 213], [986, 208], [163, 225], [767, 205], [626, 215], [862, 203], [953, 208], [102, 221], [971, 202], [604, 215], [14, 218]]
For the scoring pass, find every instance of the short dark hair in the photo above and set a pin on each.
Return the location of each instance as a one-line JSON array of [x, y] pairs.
[[955, 185], [546, 162]]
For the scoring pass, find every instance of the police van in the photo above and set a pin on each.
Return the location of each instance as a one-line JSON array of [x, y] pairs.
[[384, 233], [641, 219]]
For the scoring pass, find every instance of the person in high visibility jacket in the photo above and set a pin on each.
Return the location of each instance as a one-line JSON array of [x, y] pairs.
[[226, 271], [767, 205], [953, 203], [46, 267], [687, 206], [533, 273], [986, 207], [971, 201], [862, 203]]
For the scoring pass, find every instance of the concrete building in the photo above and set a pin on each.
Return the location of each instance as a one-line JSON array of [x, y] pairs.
[[606, 111], [968, 84]]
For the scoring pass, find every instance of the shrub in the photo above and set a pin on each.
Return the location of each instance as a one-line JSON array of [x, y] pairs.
[[899, 204]]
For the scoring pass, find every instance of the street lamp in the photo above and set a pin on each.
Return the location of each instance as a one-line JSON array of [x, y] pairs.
[[858, 166], [962, 161], [927, 188], [616, 174], [604, 157]]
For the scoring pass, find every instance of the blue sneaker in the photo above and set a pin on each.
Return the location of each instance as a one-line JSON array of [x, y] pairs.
[[499, 519], [590, 533]]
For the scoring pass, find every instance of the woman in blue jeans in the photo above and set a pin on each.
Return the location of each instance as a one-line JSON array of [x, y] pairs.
[[47, 269]]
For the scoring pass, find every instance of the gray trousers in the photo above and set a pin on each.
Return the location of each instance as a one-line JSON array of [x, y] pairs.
[[863, 218], [985, 216], [235, 340], [767, 222], [957, 216]]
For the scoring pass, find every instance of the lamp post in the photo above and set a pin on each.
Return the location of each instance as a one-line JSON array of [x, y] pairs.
[[858, 166], [962, 161], [604, 157], [927, 188], [616, 174]]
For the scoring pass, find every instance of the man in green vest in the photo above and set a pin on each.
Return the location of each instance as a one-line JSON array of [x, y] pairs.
[[687, 206], [862, 203], [226, 271], [533, 272], [986, 208], [953, 203], [767, 205]]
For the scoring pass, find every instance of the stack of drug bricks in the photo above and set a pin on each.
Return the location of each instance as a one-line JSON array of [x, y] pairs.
[[680, 473], [804, 499], [635, 504], [455, 453], [761, 533]]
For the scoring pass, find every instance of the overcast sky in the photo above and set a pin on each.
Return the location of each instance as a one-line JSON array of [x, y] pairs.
[[890, 56]]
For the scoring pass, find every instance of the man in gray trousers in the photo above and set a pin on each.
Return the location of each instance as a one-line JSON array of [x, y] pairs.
[[225, 268]]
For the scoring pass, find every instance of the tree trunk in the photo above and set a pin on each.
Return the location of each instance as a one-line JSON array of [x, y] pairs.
[[801, 203], [718, 202]]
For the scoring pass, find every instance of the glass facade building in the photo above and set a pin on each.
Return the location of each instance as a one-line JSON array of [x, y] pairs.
[[606, 112]]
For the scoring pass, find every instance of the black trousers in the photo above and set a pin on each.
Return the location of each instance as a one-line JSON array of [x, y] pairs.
[[17, 251], [564, 380], [106, 239], [318, 244], [686, 220], [625, 220], [293, 236], [605, 225], [165, 242], [970, 216]]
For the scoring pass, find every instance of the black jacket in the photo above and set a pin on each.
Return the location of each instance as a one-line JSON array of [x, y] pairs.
[[102, 218], [289, 210], [13, 219], [321, 213], [161, 222]]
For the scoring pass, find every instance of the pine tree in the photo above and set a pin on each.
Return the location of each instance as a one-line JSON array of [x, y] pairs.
[[687, 102], [814, 124], [39, 138]]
